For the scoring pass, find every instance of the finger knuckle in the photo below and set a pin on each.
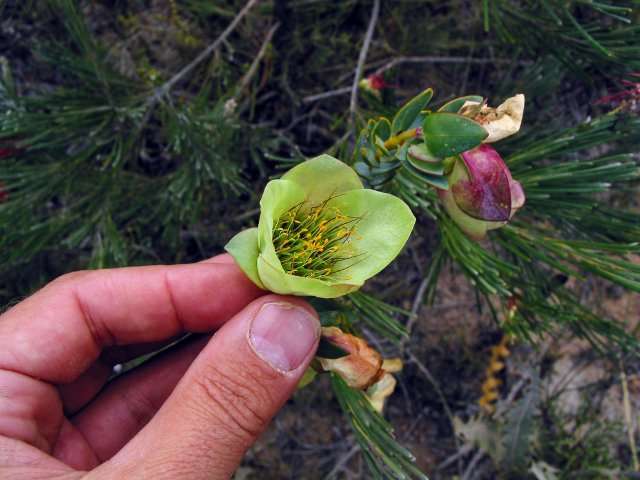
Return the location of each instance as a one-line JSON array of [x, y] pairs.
[[239, 402], [71, 277]]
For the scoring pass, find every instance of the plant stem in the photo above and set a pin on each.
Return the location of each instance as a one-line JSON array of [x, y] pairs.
[[628, 418], [164, 89], [353, 104], [398, 140]]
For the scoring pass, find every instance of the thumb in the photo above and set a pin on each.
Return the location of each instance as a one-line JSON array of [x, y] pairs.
[[228, 396]]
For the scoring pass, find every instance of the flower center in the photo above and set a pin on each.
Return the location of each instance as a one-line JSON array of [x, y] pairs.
[[315, 242]]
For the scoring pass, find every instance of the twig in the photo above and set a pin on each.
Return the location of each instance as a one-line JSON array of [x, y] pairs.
[[343, 461], [417, 302], [327, 94], [353, 104], [515, 390], [164, 89], [425, 371], [246, 78], [447, 462], [626, 404], [472, 465], [246, 215]]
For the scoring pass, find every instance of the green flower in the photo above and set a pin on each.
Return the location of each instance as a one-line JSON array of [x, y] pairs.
[[320, 232]]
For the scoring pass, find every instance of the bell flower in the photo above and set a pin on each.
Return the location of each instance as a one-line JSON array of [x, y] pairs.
[[499, 122], [321, 233], [482, 194]]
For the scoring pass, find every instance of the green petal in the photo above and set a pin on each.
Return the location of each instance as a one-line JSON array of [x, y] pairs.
[[244, 250], [384, 229], [323, 177], [277, 281], [279, 196]]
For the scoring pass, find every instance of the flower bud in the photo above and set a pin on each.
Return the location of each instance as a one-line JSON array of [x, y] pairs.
[[482, 195], [361, 368]]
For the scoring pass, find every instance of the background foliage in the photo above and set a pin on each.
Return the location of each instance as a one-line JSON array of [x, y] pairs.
[[137, 132]]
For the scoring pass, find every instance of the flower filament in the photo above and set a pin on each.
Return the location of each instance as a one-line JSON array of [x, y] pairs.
[[315, 241]]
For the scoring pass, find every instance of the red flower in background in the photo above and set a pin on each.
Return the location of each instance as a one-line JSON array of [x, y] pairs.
[[374, 83], [628, 97], [377, 81], [8, 148]]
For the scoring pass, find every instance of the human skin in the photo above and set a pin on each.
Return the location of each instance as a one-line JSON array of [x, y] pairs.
[[190, 412]]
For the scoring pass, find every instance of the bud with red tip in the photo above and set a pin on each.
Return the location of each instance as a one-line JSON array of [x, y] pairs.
[[482, 194]]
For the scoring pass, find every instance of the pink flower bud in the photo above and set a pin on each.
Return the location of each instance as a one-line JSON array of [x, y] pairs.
[[482, 194]]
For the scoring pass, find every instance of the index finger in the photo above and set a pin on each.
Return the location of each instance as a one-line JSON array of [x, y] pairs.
[[60, 331]]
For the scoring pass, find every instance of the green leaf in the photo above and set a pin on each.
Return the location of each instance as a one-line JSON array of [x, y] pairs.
[[448, 134], [378, 315], [437, 181], [329, 350], [383, 129], [407, 114], [456, 104], [420, 157], [307, 377], [422, 153], [429, 168], [364, 150], [384, 455], [519, 429], [385, 167]]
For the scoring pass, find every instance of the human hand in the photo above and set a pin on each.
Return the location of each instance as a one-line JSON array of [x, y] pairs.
[[190, 412]]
